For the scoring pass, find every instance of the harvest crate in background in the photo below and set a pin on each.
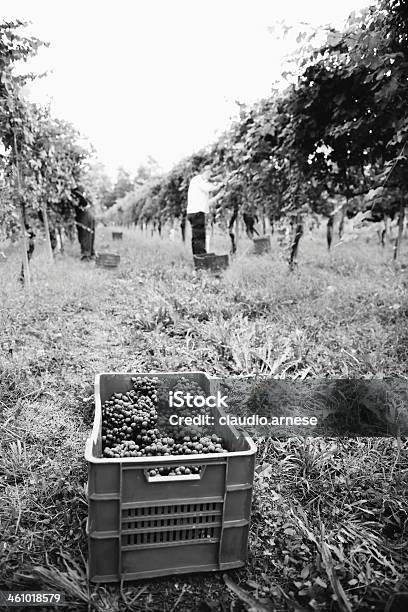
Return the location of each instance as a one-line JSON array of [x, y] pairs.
[[117, 235], [107, 260], [211, 261], [141, 526], [221, 262], [262, 245]]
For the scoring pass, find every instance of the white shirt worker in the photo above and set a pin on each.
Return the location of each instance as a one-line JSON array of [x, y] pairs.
[[198, 197]]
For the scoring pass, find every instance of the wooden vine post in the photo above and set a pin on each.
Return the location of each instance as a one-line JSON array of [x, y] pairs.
[[342, 218], [398, 240], [263, 220], [47, 232], [297, 234], [26, 267]]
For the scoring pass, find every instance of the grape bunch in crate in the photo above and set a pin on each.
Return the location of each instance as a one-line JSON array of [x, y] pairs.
[[129, 426]]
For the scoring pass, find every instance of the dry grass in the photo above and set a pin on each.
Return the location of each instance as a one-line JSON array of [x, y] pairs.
[[329, 524]]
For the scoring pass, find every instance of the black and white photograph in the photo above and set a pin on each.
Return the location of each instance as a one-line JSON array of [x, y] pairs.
[[204, 306]]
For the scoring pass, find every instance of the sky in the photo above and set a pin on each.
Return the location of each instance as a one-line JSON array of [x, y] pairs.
[[160, 77]]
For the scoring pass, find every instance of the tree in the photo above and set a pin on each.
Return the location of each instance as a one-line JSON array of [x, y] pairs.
[[43, 160], [350, 110], [55, 167], [124, 184], [14, 131], [97, 184]]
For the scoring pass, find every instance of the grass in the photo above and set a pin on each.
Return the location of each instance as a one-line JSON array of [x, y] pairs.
[[330, 517]]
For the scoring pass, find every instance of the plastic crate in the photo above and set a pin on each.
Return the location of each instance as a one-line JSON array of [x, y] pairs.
[[221, 262], [204, 261], [117, 235], [262, 245], [211, 261], [107, 260], [141, 526]]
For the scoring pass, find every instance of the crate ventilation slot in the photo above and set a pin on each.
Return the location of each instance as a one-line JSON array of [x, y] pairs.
[[173, 523]]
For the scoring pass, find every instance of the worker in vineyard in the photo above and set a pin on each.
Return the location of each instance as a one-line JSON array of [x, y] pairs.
[[250, 219], [85, 222], [198, 206]]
